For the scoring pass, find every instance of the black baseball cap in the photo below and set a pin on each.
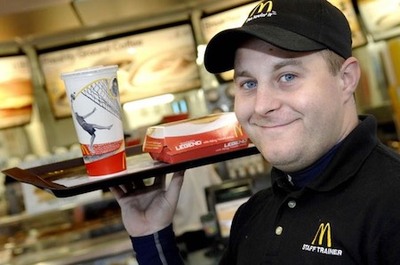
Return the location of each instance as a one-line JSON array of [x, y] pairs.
[[295, 25]]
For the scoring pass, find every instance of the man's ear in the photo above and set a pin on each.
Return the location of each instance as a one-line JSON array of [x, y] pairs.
[[350, 75]]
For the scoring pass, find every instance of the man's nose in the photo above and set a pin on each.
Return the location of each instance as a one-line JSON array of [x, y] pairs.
[[266, 101]]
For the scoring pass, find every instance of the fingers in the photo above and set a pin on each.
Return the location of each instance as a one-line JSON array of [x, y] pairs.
[[177, 180], [174, 188], [122, 191], [138, 186], [117, 192], [160, 181]]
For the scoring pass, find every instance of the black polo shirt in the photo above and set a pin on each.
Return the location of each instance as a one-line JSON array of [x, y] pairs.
[[350, 214]]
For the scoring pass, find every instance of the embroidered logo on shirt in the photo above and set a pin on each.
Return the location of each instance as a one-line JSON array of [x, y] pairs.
[[322, 242]]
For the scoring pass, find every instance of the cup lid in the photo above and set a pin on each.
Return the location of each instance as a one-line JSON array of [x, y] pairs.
[[98, 69]]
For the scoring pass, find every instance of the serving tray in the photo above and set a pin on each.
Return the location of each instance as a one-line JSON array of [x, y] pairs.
[[69, 177]]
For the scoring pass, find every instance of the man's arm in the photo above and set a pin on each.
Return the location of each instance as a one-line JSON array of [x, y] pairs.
[[158, 249]]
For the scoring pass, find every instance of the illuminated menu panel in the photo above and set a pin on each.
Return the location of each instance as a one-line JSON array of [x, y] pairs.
[[150, 63], [232, 18], [16, 91], [381, 17], [346, 6]]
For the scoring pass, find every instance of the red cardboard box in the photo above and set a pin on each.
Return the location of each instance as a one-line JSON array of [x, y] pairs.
[[193, 138]]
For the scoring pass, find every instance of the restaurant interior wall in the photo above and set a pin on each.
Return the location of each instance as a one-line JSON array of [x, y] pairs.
[[38, 25], [69, 22], [45, 133], [34, 25], [47, 139]]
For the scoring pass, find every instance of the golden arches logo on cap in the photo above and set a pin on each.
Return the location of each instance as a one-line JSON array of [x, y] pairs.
[[262, 9]]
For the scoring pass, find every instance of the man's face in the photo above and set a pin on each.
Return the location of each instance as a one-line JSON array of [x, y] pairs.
[[290, 104]]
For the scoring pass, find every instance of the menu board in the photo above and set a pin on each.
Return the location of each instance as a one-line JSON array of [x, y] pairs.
[[16, 91], [150, 63], [394, 87], [232, 18], [381, 17], [346, 6]]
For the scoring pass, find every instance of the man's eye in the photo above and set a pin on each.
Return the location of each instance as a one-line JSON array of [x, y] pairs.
[[288, 77], [249, 85]]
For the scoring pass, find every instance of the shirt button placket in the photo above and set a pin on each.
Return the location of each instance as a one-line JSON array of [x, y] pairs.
[[279, 229]]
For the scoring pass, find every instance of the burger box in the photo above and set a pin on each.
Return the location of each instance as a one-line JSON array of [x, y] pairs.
[[193, 138]]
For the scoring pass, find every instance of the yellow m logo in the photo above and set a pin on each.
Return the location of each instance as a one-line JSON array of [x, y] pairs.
[[319, 236], [263, 7]]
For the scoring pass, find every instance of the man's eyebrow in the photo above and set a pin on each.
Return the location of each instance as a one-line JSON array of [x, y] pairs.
[[276, 67], [240, 73], [289, 62]]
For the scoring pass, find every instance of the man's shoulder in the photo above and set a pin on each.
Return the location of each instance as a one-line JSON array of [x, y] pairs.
[[389, 153], [385, 159], [380, 174]]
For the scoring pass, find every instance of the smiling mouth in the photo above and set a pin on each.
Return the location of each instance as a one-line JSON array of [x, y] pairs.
[[273, 125]]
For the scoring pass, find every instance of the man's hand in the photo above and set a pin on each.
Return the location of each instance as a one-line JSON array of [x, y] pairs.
[[148, 209]]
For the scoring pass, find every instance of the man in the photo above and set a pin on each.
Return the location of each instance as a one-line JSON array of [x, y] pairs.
[[335, 191]]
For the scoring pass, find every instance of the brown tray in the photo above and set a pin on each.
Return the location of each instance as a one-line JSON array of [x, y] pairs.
[[69, 178]]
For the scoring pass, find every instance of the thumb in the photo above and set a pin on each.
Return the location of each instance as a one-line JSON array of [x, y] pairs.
[[174, 187]]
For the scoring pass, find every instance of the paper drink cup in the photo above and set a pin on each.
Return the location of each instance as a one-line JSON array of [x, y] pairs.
[[96, 112]]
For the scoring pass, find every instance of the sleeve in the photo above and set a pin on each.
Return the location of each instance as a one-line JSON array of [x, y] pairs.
[[157, 249]]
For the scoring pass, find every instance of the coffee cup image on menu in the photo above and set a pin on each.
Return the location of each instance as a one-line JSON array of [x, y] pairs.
[[175, 66], [150, 73], [389, 21]]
